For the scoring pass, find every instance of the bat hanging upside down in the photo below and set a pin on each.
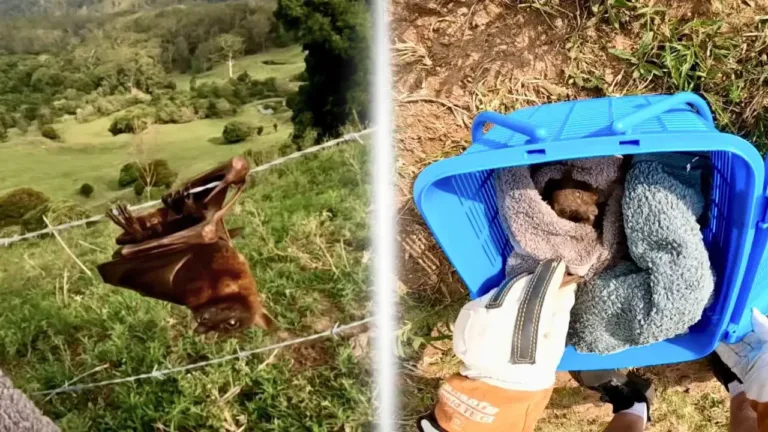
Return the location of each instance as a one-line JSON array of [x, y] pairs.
[[182, 253]]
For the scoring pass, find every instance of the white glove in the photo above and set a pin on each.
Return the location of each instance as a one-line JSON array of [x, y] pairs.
[[497, 338], [748, 359]]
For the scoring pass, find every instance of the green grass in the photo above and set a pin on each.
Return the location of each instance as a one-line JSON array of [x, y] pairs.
[[292, 57], [306, 240], [89, 153]]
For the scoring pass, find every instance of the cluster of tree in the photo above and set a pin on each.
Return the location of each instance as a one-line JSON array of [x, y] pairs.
[[336, 36], [207, 100], [92, 65]]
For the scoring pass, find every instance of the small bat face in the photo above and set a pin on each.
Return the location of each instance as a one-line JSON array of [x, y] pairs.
[[223, 318], [576, 205]]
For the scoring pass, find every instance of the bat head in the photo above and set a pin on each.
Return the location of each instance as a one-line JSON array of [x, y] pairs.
[[230, 316], [576, 205]]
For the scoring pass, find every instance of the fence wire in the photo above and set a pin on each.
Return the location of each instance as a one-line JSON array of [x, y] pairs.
[[349, 137], [161, 373]]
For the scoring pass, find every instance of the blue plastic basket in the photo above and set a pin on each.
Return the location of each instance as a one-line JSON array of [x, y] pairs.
[[456, 199]]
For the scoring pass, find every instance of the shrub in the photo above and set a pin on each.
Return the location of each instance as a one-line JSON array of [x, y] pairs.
[[86, 190], [236, 131], [22, 124], [49, 132], [44, 116], [133, 120], [3, 134], [157, 173], [300, 77], [57, 212], [221, 108], [17, 203], [261, 156], [259, 130], [286, 148], [86, 113], [169, 112], [152, 193], [129, 174]]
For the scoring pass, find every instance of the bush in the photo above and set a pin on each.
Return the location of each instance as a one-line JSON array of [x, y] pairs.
[[86, 190], [49, 132], [261, 156], [286, 148], [129, 174], [169, 112], [157, 173], [132, 121], [57, 212], [22, 124], [236, 131], [17, 203], [221, 108], [3, 134], [152, 193], [86, 113], [300, 77], [260, 130]]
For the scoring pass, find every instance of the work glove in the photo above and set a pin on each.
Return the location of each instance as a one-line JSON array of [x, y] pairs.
[[510, 342], [748, 359]]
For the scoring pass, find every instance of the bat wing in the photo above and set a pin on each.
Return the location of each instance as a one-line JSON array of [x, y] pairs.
[[151, 274]]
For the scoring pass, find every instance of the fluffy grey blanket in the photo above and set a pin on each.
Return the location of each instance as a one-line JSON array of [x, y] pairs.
[[18, 413], [665, 290], [537, 233]]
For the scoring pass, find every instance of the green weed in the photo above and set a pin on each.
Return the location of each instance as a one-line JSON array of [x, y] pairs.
[[306, 240]]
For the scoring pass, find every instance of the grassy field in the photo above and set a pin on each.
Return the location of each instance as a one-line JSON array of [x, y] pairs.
[[89, 153], [306, 240], [453, 60], [289, 62]]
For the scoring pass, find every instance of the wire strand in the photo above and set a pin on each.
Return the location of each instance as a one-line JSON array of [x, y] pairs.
[[348, 137], [334, 331]]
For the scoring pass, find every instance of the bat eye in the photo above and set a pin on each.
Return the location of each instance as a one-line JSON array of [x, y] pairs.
[[233, 323]]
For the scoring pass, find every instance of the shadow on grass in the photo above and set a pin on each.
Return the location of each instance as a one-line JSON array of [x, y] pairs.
[[217, 140]]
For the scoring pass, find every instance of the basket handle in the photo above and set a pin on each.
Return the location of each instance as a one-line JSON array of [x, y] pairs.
[[623, 125], [535, 133]]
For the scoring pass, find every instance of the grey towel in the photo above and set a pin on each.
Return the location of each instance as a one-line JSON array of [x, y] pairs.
[[664, 291], [18, 413], [537, 233]]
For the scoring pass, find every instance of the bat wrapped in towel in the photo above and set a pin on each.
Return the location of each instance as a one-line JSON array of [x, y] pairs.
[[182, 253]]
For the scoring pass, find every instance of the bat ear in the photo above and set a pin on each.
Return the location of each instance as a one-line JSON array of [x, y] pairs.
[[263, 320]]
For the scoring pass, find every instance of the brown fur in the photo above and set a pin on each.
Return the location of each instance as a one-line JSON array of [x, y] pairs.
[[183, 254], [572, 199]]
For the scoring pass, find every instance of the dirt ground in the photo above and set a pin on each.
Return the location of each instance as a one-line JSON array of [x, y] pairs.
[[453, 59]]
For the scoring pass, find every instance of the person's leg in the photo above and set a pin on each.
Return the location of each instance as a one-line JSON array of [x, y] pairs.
[[630, 395], [743, 417]]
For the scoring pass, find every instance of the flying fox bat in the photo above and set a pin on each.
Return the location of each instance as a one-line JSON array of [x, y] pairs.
[[182, 253]]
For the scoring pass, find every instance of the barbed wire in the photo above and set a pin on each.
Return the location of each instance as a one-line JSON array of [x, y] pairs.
[[334, 331], [348, 137]]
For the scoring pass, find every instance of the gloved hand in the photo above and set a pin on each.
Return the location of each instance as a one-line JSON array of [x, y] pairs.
[[510, 341], [748, 359]]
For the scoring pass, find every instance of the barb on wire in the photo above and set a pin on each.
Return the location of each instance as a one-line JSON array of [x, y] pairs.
[[243, 354], [349, 137]]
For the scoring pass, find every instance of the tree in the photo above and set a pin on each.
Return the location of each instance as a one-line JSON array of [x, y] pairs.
[[182, 61], [336, 36], [231, 46]]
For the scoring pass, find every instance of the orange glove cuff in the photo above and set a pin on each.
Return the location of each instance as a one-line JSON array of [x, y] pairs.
[[467, 405]]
